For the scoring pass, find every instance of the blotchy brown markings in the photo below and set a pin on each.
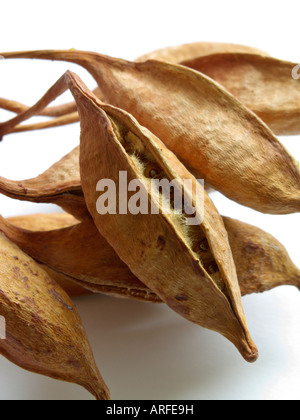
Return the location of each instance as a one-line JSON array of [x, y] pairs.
[[58, 297], [161, 243], [181, 298], [253, 248], [74, 363], [16, 343], [18, 275], [30, 301]]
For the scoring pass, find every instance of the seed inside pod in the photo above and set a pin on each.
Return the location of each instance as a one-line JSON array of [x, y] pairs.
[[203, 246], [144, 161], [153, 173]]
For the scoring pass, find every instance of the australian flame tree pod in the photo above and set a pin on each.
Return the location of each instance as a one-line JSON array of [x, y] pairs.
[[208, 129]]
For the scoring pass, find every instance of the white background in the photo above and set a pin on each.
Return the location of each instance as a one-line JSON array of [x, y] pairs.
[[145, 351]]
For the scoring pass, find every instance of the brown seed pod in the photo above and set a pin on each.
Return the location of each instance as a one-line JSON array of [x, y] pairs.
[[171, 54], [263, 84], [43, 222], [204, 125], [163, 252], [44, 333], [59, 185], [197, 49], [94, 266], [212, 299], [46, 222], [174, 55], [262, 262]]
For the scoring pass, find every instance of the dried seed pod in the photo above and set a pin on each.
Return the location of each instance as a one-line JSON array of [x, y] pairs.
[[211, 301], [44, 333], [59, 185], [197, 49], [204, 125], [43, 222], [171, 54], [95, 266], [46, 222], [263, 84], [262, 262], [132, 289], [163, 250]]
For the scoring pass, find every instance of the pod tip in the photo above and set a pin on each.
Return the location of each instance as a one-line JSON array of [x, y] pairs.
[[100, 390], [103, 395], [248, 350], [252, 357]]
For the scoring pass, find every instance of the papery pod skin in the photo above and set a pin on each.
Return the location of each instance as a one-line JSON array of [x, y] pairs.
[[132, 288], [63, 176], [42, 246], [71, 287], [218, 138], [47, 222], [262, 262], [44, 333], [190, 51], [43, 221], [263, 84], [94, 266], [160, 255], [174, 54], [59, 185]]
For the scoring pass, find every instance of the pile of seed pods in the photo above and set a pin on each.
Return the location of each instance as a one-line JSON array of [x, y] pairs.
[[206, 111]]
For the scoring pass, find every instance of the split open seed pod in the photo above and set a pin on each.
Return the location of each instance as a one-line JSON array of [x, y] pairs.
[[44, 333], [209, 130], [189, 267], [59, 185], [261, 261]]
